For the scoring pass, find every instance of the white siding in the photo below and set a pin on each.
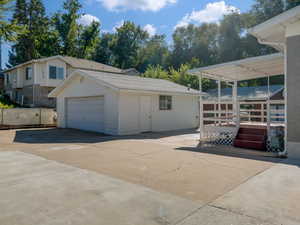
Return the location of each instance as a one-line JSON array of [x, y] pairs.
[[83, 87], [129, 111], [184, 113], [58, 63]]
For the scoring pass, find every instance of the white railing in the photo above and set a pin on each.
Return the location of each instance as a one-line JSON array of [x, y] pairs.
[[248, 112]]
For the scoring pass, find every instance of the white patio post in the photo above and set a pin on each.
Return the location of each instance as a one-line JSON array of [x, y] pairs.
[[236, 105], [268, 110], [201, 124], [219, 102]]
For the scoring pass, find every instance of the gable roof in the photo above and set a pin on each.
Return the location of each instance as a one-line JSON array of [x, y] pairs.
[[76, 63], [89, 65], [128, 83], [272, 31]]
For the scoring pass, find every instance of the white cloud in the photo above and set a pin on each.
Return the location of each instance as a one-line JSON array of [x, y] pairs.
[[87, 19], [144, 5], [118, 25], [150, 29], [212, 12]]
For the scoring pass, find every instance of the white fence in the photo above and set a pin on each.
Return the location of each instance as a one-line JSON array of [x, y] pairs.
[[27, 117]]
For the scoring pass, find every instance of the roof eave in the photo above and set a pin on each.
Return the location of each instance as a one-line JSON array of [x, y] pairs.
[[281, 20]]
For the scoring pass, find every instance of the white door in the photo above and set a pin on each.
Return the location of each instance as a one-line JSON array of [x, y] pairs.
[[145, 113], [85, 113]]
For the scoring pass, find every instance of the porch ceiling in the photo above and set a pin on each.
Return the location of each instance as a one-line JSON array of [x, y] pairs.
[[245, 69]]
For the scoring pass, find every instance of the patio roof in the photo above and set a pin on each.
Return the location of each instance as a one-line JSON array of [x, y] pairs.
[[245, 69]]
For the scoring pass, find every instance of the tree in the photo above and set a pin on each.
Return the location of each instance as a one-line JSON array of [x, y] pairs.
[[128, 39], [8, 30], [194, 42], [35, 41], [88, 40], [229, 41], [263, 10], [67, 27], [154, 52], [103, 52]]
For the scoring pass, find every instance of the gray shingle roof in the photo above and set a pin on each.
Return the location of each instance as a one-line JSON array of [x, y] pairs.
[[90, 65], [138, 83]]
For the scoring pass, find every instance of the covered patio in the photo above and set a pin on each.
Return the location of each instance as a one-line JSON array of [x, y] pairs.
[[257, 123]]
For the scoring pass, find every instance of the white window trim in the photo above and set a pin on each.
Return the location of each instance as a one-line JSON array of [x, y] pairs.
[[31, 74], [57, 68]]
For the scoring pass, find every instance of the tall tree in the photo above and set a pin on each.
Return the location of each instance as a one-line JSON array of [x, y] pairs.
[[154, 52], [34, 42], [229, 41], [8, 30], [68, 28], [127, 41], [194, 42], [263, 10], [88, 40], [103, 52]]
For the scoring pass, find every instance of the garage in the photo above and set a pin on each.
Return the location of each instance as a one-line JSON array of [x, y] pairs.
[[119, 104], [85, 113]]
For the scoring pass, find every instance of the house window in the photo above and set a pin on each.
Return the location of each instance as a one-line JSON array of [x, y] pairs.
[[56, 72], [165, 102], [28, 73]]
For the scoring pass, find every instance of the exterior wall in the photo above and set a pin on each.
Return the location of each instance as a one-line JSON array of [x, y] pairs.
[[83, 87], [184, 113], [36, 90], [51, 82], [293, 93]]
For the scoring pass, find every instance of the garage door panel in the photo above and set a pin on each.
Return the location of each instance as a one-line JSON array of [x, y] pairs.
[[86, 113]]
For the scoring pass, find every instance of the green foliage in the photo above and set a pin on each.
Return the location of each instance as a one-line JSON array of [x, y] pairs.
[[34, 42], [67, 27], [179, 76], [130, 46], [194, 42], [103, 52], [5, 103], [263, 10], [154, 52], [8, 30], [128, 39], [88, 40]]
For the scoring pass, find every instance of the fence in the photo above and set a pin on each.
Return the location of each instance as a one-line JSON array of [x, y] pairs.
[[21, 117]]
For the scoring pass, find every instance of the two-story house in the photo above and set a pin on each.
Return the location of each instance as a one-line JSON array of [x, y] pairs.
[[30, 83]]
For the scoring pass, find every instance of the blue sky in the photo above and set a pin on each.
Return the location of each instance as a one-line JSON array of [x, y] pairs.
[[156, 16]]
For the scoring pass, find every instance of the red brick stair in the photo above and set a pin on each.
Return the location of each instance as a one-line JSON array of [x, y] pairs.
[[251, 138]]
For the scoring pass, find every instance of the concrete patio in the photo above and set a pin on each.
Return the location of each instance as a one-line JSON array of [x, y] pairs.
[[54, 176]]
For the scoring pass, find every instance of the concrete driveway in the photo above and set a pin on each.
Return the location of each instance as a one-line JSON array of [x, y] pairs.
[[78, 177]]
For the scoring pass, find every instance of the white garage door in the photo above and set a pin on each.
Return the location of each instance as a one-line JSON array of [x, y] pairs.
[[85, 113]]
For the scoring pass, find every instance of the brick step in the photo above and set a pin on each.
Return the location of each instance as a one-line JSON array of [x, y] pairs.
[[251, 137], [258, 145], [255, 131]]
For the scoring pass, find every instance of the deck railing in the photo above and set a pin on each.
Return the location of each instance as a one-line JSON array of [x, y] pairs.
[[249, 112]]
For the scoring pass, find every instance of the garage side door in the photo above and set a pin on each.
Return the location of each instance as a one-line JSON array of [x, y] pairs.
[[85, 113]]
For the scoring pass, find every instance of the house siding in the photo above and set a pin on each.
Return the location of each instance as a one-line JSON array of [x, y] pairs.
[[84, 87], [184, 113]]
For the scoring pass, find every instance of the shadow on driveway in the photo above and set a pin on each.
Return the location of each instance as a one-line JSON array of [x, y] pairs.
[[65, 136], [55, 135]]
